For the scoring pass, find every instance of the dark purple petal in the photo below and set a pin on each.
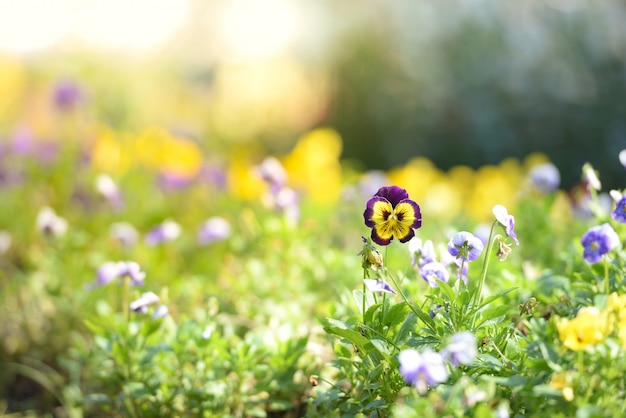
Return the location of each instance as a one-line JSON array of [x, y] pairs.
[[393, 194], [418, 213]]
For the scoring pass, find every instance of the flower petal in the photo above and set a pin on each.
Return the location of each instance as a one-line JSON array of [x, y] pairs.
[[393, 194], [375, 211]]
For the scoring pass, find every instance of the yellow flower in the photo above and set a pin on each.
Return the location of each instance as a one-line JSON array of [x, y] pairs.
[[589, 327], [110, 152], [314, 166], [562, 381]]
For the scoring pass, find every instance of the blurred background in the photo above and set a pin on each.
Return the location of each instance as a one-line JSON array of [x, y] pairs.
[[467, 82]]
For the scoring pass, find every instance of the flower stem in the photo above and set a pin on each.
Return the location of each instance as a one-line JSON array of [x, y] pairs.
[[483, 273], [125, 297]]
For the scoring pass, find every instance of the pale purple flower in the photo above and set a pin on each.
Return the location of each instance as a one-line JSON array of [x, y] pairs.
[[591, 177], [167, 231], [272, 172], [107, 188], [465, 245], [461, 349], [506, 220], [50, 224], [161, 311], [433, 271], [619, 214], [113, 270], [421, 252], [214, 229], [132, 270], [598, 241], [124, 233], [545, 177], [378, 286], [146, 299], [422, 369], [107, 272]]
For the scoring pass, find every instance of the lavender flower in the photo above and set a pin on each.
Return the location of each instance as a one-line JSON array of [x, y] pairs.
[[590, 177], [50, 224], [619, 214], [461, 349], [598, 241], [622, 157], [378, 286], [167, 231], [433, 271], [213, 230], [422, 369], [506, 220], [464, 245], [545, 177]]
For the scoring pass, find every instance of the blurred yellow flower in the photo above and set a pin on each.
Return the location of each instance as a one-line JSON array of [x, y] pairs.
[[243, 182], [494, 185], [562, 382], [12, 87], [110, 153], [157, 148], [589, 327], [314, 166], [416, 177]]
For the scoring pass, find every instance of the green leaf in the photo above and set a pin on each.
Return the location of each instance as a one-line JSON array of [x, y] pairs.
[[496, 296], [493, 312], [397, 314]]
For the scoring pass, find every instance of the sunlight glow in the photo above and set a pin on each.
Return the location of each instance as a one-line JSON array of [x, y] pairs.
[[33, 25], [259, 28]]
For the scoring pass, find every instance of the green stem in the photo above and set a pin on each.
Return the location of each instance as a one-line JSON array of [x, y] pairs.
[[125, 297], [606, 275], [483, 273]]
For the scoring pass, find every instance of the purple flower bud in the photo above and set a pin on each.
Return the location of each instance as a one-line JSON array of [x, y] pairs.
[[619, 214]]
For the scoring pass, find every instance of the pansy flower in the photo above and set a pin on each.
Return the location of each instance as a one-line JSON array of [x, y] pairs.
[[214, 229], [622, 157], [50, 224], [167, 231], [433, 271], [461, 349], [378, 286], [619, 214], [422, 369], [506, 220], [465, 245], [545, 177], [598, 241], [391, 214]]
